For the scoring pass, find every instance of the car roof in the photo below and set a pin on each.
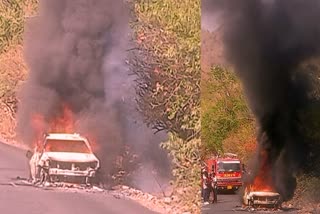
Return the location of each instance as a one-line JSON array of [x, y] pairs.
[[65, 136]]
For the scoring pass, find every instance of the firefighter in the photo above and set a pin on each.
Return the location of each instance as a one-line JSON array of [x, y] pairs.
[[206, 185], [214, 187]]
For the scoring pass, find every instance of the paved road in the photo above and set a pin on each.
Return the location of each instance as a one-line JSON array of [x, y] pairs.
[[31, 200], [226, 204], [231, 204]]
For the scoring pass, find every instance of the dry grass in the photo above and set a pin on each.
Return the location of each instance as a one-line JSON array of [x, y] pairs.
[[12, 72], [12, 66]]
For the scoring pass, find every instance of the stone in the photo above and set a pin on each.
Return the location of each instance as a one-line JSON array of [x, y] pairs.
[[167, 200]]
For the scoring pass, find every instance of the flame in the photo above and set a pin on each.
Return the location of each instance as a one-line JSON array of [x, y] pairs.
[[64, 123], [263, 180], [39, 126], [61, 124]]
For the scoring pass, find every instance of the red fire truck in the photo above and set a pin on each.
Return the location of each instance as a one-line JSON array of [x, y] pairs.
[[228, 169]]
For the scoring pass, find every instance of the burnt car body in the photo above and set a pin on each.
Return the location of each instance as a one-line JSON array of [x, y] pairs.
[[259, 199], [63, 158]]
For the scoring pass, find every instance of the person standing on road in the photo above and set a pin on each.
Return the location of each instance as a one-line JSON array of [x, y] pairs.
[[215, 188], [206, 186]]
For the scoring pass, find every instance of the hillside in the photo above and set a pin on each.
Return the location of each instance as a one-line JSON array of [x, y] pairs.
[[170, 47], [167, 61], [227, 124]]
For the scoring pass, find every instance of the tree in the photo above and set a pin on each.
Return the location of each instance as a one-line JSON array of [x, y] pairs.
[[167, 62]]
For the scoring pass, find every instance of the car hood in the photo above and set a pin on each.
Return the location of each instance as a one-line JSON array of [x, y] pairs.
[[263, 194], [69, 157]]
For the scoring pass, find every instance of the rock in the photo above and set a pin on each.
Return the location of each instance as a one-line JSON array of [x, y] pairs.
[[151, 197], [95, 188], [167, 200], [125, 187], [118, 187]]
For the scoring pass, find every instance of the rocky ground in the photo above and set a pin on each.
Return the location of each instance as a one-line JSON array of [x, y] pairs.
[[304, 207], [161, 204]]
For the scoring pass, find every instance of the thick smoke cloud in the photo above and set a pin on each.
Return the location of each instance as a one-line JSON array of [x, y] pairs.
[[266, 42], [76, 52]]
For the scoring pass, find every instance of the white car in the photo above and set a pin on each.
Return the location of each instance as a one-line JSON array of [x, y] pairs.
[[265, 199], [63, 157]]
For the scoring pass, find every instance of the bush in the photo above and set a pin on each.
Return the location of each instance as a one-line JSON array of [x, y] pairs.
[[186, 170], [12, 17], [307, 190], [12, 67], [168, 64]]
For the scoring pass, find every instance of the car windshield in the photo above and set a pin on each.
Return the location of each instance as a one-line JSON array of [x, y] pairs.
[[229, 166], [77, 146]]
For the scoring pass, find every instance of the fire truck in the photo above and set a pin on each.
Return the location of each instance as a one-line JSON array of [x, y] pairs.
[[228, 170]]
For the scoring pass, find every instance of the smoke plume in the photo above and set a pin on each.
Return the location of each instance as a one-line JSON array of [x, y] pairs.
[[266, 42], [76, 52]]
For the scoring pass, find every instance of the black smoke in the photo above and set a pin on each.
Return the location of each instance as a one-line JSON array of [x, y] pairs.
[[76, 53], [267, 42]]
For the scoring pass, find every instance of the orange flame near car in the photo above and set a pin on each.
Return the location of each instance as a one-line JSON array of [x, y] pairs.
[[263, 180], [64, 123], [39, 126]]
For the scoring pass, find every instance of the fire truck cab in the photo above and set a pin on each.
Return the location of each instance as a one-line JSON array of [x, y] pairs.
[[228, 170]]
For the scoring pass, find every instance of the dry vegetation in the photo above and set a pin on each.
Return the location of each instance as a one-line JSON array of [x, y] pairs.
[[227, 123], [12, 67], [167, 61], [167, 37]]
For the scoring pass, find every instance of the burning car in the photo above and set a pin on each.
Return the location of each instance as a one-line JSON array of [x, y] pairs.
[[61, 157], [261, 199]]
